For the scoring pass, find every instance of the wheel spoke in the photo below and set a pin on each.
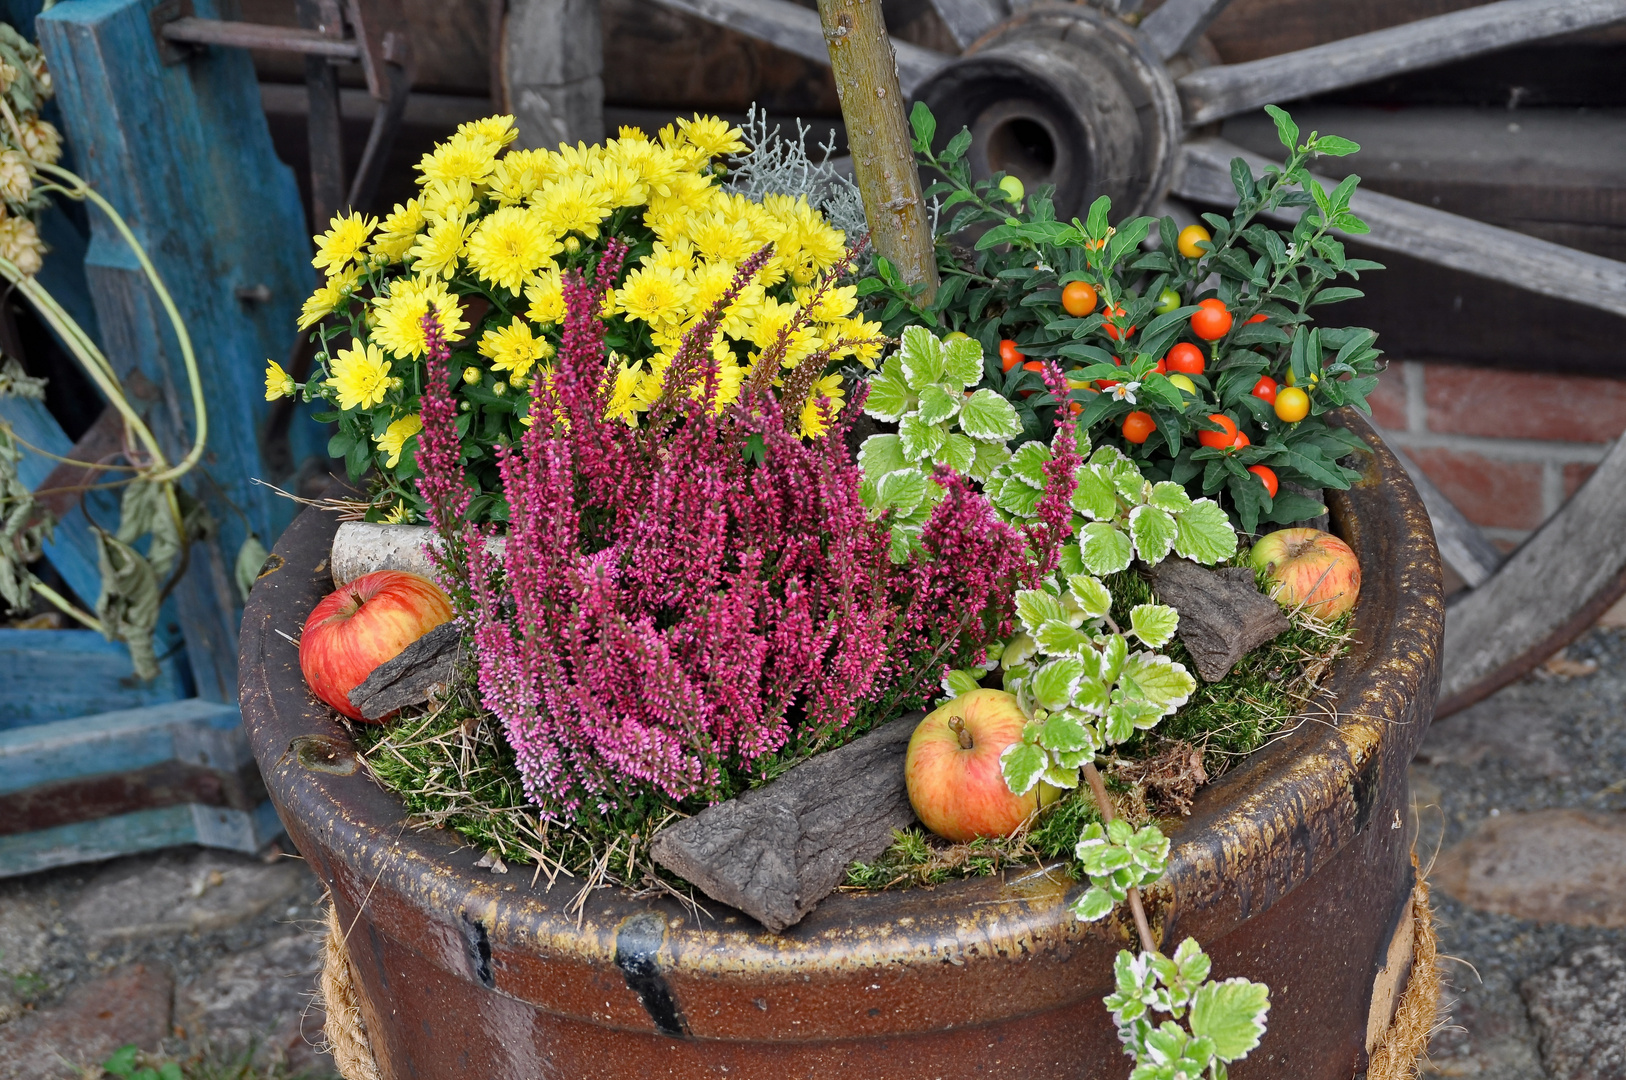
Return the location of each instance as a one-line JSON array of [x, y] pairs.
[[968, 20], [1433, 235], [1217, 92], [796, 29], [1176, 26]]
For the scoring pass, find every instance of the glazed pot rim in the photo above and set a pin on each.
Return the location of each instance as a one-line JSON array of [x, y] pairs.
[[1253, 836]]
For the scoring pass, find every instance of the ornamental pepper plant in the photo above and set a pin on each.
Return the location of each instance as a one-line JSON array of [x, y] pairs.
[[1195, 351]]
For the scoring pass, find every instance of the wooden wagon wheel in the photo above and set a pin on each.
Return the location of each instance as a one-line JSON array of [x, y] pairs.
[[1080, 97]]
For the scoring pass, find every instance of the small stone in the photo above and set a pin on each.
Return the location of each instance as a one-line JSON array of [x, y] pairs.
[[138, 899], [260, 997], [1579, 1012], [1566, 866], [129, 1006], [1502, 729]]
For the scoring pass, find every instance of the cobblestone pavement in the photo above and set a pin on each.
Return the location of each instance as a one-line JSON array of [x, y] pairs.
[[1523, 798]]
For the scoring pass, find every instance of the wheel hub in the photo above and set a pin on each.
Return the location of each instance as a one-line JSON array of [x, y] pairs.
[[1065, 95]]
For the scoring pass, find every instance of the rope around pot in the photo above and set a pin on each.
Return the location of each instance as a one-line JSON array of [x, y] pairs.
[[1396, 1057], [344, 1028]]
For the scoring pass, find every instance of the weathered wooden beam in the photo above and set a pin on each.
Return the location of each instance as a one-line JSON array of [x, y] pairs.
[[242, 35], [52, 675], [1545, 595], [184, 153], [1432, 235], [1176, 26], [1464, 548], [1213, 93], [796, 29], [141, 830], [64, 487], [777, 850], [71, 549], [968, 20], [192, 732]]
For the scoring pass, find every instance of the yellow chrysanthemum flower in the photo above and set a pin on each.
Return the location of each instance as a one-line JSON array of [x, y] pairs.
[[623, 403], [510, 244], [497, 129], [399, 231], [436, 251], [620, 185], [465, 156], [722, 240], [361, 375], [856, 338], [399, 316], [572, 204], [333, 292], [710, 282], [838, 302], [448, 199], [655, 294], [514, 348], [823, 404], [278, 383], [345, 239], [400, 514], [712, 137], [518, 174], [546, 294], [656, 165], [395, 436]]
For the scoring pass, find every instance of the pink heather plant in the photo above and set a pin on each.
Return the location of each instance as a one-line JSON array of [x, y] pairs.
[[671, 598]]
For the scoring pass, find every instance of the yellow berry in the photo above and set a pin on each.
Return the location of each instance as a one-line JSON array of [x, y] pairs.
[[1184, 383], [1292, 404], [1190, 236]]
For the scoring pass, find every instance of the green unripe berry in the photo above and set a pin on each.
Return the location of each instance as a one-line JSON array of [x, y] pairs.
[[1012, 189], [1167, 300]]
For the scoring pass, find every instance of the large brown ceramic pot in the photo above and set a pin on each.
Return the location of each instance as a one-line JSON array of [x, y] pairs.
[[1293, 869]]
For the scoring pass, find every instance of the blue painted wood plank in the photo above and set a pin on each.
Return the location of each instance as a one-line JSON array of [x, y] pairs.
[[191, 731], [50, 675], [72, 550], [185, 154], [142, 830]]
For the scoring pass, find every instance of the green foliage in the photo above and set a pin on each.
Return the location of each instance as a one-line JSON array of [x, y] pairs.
[[130, 1063], [1010, 288], [1117, 857], [1226, 1020]]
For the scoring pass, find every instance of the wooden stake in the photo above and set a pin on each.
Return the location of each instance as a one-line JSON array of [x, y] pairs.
[[872, 104]]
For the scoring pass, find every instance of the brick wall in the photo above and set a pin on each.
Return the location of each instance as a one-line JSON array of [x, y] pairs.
[[1507, 448]]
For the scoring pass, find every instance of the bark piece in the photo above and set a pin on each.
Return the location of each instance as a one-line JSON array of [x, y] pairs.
[[1223, 615], [776, 851], [412, 675]]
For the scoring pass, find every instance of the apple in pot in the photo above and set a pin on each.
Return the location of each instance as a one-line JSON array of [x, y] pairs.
[[952, 768], [361, 625], [1311, 568]]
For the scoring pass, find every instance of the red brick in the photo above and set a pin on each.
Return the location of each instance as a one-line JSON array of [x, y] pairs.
[[1492, 494], [1518, 405], [1388, 401], [1576, 475]]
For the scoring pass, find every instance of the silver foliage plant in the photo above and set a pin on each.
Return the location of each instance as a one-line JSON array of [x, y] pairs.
[[778, 165]]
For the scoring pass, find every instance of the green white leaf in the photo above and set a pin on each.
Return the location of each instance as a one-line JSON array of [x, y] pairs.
[[988, 457], [1064, 732], [922, 358], [1106, 547], [1156, 680], [901, 543], [1071, 560], [1153, 532], [888, 398], [1035, 607], [920, 439], [1170, 496], [988, 417], [1114, 651], [1022, 765], [1027, 464], [1094, 496], [957, 452], [1093, 598], [1124, 718], [1017, 498], [1091, 695], [1059, 638], [938, 404], [1154, 624], [1054, 683], [959, 682], [1094, 905], [962, 362], [1060, 775], [901, 490], [880, 455], [1106, 455], [1232, 1014], [1126, 478], [1203, 534]]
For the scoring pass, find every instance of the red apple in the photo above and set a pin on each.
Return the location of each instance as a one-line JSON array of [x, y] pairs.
[[952, 769], [363, 624], [1311, 568]]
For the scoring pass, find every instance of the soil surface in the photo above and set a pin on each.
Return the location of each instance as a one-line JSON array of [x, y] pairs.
[[1521, 809]]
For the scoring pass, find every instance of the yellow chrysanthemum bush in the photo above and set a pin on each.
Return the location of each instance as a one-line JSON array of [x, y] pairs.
[[486, 247]]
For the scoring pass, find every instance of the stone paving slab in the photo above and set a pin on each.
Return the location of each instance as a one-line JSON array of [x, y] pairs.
[[1579, 1012], [131, 1005]]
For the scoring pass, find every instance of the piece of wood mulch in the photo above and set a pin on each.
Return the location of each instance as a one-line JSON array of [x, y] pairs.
[[422, 669], [776, 851], [1223, 615]]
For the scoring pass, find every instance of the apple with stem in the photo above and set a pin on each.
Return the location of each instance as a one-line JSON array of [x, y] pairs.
[[361, 625], [1309, 568], [952, 768]]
